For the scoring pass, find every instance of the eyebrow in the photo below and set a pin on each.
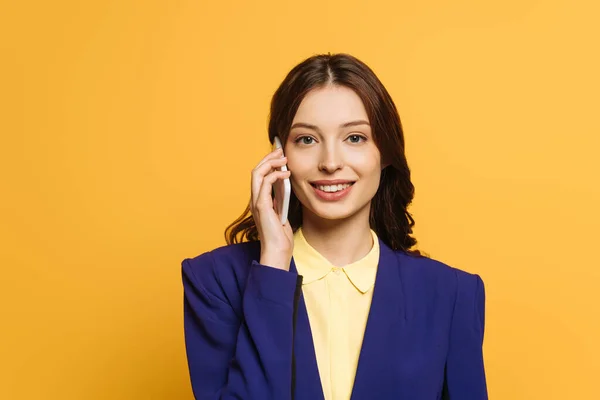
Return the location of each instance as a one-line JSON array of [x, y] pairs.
[[316, 128]]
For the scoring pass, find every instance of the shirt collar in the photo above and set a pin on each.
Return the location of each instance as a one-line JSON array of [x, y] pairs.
[[313, 266]]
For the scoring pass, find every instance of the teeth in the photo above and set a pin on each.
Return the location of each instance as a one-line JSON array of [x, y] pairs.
[[333, 188]]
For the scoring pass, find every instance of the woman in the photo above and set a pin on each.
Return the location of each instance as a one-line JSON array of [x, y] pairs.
[[334, 304]]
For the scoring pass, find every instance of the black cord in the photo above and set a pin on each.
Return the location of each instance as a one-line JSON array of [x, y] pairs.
[[297, 294]]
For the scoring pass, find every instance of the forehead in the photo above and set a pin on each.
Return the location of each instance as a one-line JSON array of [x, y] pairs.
[[330, 105]]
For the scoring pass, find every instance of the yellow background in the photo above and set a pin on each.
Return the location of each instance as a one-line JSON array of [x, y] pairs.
[[129, 129]]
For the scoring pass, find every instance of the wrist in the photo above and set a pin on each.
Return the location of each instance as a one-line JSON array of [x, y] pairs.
[[276, 261]]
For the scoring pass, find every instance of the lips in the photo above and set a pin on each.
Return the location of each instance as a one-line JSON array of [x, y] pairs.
[[333, 182], [332, 196]]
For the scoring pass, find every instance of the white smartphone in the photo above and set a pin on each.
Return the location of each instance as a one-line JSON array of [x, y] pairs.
[[282, 189]]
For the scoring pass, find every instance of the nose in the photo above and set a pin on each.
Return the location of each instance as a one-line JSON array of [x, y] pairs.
[[331, 159]]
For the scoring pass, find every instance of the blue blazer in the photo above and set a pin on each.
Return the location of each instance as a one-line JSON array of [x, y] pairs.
[[248, 336]]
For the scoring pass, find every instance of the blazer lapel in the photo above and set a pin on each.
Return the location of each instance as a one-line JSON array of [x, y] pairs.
[[377, 362], [308, 381]]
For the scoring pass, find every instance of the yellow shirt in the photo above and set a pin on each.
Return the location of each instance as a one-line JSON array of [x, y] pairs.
[[338, 302]]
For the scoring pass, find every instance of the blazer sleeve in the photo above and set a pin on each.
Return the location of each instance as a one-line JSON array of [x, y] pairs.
[[465, 374], [231, 356]]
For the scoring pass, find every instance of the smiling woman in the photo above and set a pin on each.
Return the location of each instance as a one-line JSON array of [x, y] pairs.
[[272, 316], [338, 96], [336, 148]]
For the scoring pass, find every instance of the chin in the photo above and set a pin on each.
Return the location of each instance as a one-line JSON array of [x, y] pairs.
[[334, 211], [338, 210]]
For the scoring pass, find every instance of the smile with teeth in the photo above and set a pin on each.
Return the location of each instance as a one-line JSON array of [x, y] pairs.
[[333, 188]]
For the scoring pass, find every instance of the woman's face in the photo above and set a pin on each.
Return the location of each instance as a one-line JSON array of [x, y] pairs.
[[331, 140]]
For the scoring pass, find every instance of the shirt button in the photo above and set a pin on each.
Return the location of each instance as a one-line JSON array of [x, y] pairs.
[[337, 270]]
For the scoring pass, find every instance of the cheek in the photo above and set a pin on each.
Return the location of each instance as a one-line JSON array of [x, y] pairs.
[[297, 164], [367, 163], [298, 170]]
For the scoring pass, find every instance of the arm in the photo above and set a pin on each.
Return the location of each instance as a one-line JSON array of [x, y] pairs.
[[465, 373], [229, 358]]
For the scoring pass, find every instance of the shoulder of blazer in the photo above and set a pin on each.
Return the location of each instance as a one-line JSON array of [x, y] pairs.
[[229, 254], [225, 268], [432, 274]]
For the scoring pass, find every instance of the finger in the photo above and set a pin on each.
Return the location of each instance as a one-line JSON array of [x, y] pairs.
[[272, 162], [274, 154], [260, 172], [264, 200], [265, 205], [269, 165]]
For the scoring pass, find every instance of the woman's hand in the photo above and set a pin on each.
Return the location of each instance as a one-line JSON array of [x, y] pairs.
[[277, 241]]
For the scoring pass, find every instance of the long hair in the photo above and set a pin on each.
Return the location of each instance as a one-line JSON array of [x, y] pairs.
[[389, 217]]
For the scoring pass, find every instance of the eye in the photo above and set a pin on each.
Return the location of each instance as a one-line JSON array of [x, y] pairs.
[[356, 138], [304, 139]]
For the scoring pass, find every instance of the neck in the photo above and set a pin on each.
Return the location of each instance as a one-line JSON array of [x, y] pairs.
[[341, 242]]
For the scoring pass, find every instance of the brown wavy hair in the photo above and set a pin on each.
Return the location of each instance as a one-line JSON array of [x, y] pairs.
[[389, 217]]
